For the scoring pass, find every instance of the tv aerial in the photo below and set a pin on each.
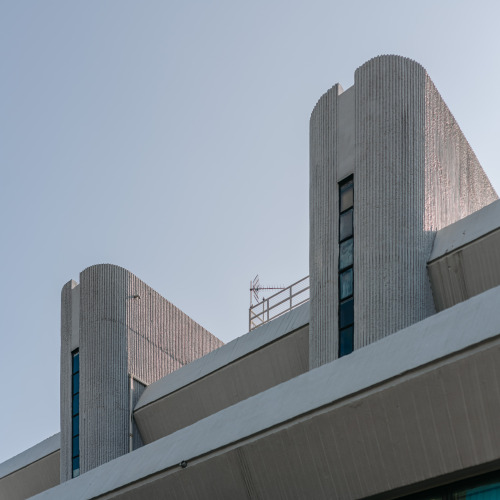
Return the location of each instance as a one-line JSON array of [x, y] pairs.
[[255, 288]]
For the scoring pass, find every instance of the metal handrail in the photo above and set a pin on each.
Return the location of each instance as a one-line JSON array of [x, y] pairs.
[[262, 312]]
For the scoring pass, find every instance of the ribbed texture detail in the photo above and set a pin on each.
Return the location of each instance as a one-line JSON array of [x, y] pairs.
[[104, 403], [125, 327], [161, 338], [414, 173], [456, 184], [323, 219], [392, 247], [65, 386]]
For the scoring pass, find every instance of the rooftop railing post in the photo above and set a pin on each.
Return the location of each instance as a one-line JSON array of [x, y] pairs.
[[280, 299]]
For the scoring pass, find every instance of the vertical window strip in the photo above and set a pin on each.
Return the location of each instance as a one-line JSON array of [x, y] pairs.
[[75, 413], [346, 267]]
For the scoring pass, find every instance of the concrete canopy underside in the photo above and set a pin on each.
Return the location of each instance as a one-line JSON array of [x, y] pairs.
[[32, 471], [393, 417], [266, 357]]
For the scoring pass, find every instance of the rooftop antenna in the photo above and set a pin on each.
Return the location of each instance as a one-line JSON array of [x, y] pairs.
[[255, 288]]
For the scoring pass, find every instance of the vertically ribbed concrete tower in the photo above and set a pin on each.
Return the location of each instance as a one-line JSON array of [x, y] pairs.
[[117, 336], [389, 166]]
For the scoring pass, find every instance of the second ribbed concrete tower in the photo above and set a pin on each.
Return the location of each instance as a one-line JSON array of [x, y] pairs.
[[389, 166]]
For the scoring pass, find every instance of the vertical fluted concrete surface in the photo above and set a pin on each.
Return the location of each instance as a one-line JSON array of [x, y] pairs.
[[104, 405], [125, 327], [414, 173], [456, 184], [391, 289], [65, 386], [323, 254]]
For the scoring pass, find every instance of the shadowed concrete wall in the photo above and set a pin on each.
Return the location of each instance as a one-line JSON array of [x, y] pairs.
[[273, 364], [32, 479], [414, 173], [125, 328], [32, 471]]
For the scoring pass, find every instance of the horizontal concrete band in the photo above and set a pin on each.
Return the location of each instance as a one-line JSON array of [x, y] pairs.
[[466, 230], [466, 271], [223, 356], [296, 426], [272, 364], [27, 457], [32, 471]]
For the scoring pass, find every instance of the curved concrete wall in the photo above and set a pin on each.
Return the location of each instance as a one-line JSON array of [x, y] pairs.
[[125, 327], [414, 173], [323, 253], [391, 244]]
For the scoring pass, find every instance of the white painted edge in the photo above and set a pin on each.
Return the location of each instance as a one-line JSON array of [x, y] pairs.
[[225, 354], [31, 455], [466, 230], [450, 331]]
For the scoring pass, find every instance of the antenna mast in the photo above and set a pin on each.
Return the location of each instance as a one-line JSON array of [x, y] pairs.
[[255, 288]]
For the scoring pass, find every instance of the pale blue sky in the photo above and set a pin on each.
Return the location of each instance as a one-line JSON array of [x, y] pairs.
[[171, 138]]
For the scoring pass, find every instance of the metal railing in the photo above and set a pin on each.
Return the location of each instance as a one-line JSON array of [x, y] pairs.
[[279, 303]]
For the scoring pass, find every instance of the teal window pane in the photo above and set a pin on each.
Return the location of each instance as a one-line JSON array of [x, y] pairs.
[[486, 492], [346, 344], [76, 466], [346, 254], [76, 446], [347, 313], [76, 363], [76, 404], [346, 284], [76, 425], [345, 230], [76, 383]]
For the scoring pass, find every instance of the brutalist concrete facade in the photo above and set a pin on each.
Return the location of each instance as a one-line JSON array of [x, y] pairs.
[[414, 173], [404, 414], [122, 328]]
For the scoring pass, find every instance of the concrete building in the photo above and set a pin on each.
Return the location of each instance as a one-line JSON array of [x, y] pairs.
[[386, 384]]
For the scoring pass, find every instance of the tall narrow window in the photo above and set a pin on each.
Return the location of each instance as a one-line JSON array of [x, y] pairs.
[[346, 270], [75, 412]]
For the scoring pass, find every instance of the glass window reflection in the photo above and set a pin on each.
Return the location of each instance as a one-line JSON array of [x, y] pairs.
[[346, 284], [346, 256], [346, 196], [345, 225]]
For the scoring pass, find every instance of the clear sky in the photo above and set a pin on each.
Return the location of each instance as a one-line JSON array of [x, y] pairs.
[[171, 138]]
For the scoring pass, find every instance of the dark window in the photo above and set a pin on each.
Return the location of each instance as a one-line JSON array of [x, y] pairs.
[[76, 383], [346, 341], [76, 362], [76, 446], [346, 267], [76, 425], [76, 404], [346, 313], [75, 412]]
